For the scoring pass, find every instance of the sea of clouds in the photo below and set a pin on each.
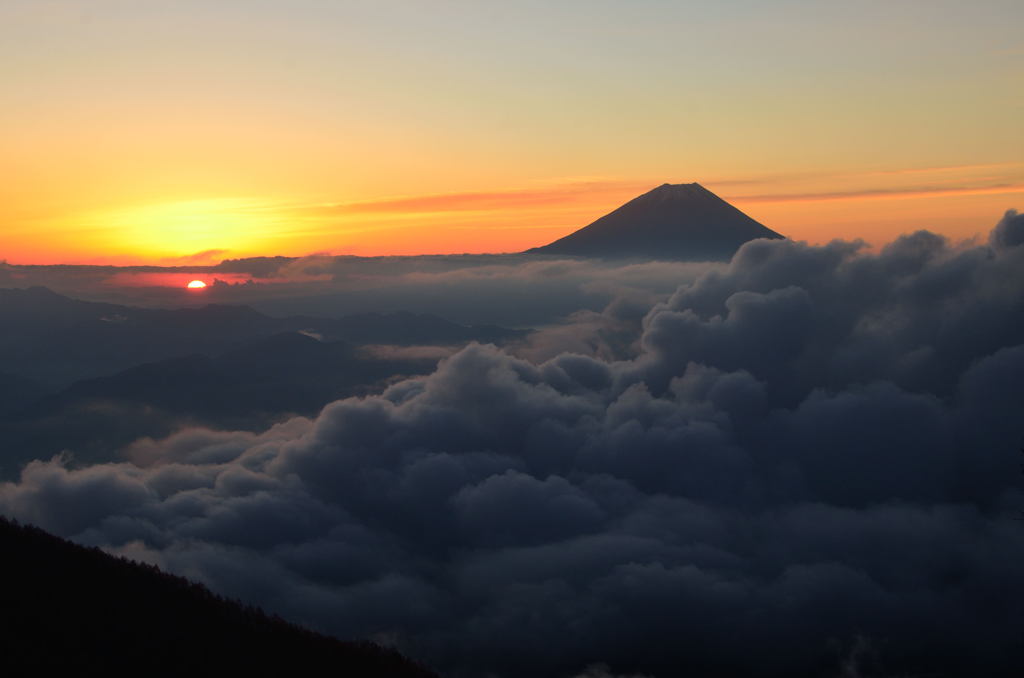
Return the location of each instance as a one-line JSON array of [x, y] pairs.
[[811, 451]]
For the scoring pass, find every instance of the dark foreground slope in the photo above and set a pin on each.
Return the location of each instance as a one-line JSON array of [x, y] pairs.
[[79, 611], [673, 221]]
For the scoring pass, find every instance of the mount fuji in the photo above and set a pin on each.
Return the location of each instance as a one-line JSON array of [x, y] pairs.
[[673, 221]]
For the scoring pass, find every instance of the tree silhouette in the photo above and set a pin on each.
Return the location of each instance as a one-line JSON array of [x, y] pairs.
[[77, 610]]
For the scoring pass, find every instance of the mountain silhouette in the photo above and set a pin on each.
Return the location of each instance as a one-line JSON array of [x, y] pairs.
[[250, 387], [673, 221], [72, 610], [54, 340]]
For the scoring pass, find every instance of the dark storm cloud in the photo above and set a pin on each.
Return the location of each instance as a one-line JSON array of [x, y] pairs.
[[803, 454]]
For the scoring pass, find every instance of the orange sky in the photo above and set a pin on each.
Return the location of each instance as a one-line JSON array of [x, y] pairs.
[[187, 132], [873, 206]]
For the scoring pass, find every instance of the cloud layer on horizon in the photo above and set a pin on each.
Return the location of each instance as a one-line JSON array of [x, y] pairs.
[[512, 290], [807, 448]]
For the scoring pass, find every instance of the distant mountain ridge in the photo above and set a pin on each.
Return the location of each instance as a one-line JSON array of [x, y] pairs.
[[56, 340], [250, 387], [672, 221]]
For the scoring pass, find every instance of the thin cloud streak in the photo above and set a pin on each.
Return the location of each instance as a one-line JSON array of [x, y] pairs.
[[946, 168], [471, 201], [482, 200], [880, 193]]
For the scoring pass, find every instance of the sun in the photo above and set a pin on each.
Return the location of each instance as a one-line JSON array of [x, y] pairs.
[[196, 285]]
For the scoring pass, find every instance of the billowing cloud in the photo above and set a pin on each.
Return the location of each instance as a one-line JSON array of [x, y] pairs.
[[810, 451], [1009, 232]]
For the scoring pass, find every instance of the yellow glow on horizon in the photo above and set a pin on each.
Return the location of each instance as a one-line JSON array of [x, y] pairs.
[[180, 228], [958, 202], [182, 133], [196, 285]]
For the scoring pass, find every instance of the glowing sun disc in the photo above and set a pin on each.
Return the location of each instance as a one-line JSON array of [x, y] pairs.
[[196, 285]]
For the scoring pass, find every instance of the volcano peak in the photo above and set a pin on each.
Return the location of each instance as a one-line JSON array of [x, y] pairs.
[[672, 221]]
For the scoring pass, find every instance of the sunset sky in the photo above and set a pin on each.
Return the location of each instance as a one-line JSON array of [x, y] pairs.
[[186, 131]]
